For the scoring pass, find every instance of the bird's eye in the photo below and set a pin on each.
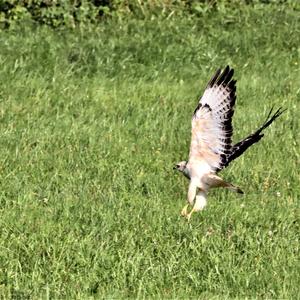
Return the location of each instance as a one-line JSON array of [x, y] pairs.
[[177, 166]]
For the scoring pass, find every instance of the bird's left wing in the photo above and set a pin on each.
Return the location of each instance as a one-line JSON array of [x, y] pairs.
[[211, 122]]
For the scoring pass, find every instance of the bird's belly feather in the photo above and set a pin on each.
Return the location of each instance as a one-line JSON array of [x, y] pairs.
[[198, 172]]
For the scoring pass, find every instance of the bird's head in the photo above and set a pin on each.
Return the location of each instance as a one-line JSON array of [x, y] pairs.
[[181, 166]]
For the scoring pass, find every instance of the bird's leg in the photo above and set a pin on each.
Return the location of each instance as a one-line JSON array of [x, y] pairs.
[[184, 212], [191, 196], [199, 205], [188, 216]]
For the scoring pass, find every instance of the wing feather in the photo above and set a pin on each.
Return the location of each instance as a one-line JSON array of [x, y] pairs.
[[212, 121], [240, 147]]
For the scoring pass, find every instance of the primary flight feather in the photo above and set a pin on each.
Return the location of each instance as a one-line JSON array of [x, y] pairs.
[[211, 147]]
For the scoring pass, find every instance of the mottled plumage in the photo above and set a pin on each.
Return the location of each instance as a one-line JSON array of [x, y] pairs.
[[211, 147]]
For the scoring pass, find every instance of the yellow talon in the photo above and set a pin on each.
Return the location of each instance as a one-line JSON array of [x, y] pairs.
[[190, 214], [184, 212]]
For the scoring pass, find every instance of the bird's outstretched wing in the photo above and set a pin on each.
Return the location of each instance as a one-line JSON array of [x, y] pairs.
[[211, 122], [240, 147]]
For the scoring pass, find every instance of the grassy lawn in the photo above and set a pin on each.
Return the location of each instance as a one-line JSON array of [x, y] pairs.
[[91, 123]]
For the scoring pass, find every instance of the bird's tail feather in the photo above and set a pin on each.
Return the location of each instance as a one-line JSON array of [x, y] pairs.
[[234, 188], [215, 181], [240, 147]]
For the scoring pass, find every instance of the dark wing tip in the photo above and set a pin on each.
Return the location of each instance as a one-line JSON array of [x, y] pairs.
[[214, 78], [269, 119], [279, 112], [226, 76], [223, 78]]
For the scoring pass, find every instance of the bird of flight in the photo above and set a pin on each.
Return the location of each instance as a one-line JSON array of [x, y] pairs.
[[211, 147]]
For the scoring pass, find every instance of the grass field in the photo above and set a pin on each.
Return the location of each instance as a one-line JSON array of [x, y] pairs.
[[92, 122]]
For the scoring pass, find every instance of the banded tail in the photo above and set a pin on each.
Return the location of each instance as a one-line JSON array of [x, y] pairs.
[[239, 148]]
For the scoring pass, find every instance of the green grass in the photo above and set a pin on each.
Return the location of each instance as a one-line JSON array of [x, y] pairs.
[[91, 123]]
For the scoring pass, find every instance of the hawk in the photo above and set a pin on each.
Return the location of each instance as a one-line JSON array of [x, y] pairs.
[[211, 148]]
